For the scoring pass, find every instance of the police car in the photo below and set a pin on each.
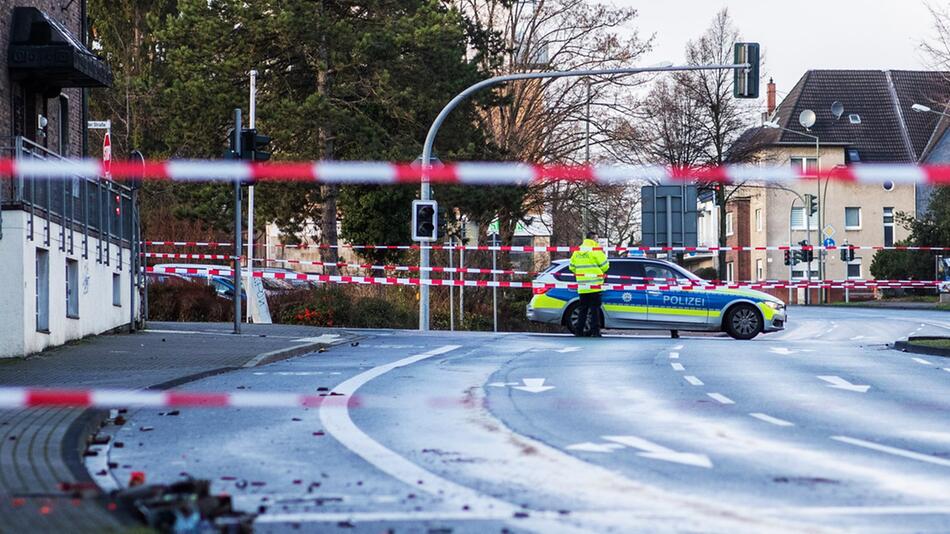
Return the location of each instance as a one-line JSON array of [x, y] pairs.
[[742, 313]]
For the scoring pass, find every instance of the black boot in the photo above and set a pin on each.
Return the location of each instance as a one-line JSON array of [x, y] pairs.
[[675, 334]]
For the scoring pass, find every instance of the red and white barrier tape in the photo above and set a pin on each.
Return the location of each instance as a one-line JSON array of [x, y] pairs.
[[407, 268], [618, 249], [371, 280], [471, 173], [171, 255], [14, 397]]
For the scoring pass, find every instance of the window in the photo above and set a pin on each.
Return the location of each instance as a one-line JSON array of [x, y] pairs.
[[64, 125], [621, 272], [806, 166], [852, 218], [798, 219], [657, 271], [798, 272], [730, 271], [42, 290], [888, 227], [854, 269], [888, 185], [759, 270], [854, 156], [729, 223], [758, 219], [116, 289], [72, 289]]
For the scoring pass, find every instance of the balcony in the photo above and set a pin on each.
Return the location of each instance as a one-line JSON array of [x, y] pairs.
[[81, 207]]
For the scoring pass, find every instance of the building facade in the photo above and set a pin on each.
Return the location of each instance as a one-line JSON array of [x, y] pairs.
[[66, 244], [860, 117]]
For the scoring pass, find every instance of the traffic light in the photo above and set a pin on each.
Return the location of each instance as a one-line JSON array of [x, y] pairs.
[[847, 253], [807, 255], [425, 220], [788, 257], [253, 145], [812, 205], [118, 205], [745, 82]]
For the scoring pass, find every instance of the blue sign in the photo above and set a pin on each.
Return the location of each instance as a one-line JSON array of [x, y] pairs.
[[829, 242]]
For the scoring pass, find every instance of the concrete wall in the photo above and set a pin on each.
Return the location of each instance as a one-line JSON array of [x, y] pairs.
[[97, 314]]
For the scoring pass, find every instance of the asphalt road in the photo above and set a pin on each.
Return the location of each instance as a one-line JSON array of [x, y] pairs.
[[817, 428]]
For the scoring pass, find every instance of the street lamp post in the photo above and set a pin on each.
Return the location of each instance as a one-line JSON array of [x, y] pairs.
[[426, 191], [920, 108]]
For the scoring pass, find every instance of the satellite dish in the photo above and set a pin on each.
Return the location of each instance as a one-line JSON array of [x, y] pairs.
[[807, 119], [837, 109]]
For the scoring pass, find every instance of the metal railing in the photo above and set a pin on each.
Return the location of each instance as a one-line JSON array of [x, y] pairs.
[[82, 207]]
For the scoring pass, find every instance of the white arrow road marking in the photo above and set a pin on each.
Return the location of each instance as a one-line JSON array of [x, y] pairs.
[[674, 355], [782, 350], [720, 398], [659, 452], [677, 366], [773, 420], [678, 347], [922, 361], [693, 380], [855, 338], [533, 385], [325, 338], [893, 450], [839, 383], [594, 447], [503, 384]]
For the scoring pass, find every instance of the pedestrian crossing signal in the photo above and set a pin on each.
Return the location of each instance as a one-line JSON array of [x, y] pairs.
[[425, 220]]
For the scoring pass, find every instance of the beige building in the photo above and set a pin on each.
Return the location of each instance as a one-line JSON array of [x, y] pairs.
[[871, 123]]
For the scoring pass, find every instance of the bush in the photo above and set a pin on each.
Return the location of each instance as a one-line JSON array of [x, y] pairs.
[[707, 273], [187, 301]]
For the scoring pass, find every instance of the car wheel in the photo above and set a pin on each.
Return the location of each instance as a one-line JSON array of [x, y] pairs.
[[570, 318], [743, 321]]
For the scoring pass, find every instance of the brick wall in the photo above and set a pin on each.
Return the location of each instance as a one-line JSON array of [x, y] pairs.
[[71, 19], [741, 236]]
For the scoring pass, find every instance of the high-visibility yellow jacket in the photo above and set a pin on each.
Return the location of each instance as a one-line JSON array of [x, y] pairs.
[[589, 267]]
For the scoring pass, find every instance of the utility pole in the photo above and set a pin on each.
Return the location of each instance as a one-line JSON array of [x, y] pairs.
[[251, 123], [237, 227]]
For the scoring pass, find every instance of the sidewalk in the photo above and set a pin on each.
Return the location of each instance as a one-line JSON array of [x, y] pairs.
[[41, 449]]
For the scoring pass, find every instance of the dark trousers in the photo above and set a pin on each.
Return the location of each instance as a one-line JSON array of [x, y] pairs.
[[589, 307]]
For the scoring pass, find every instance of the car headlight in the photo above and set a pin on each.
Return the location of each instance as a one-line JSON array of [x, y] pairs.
[[777, 306]]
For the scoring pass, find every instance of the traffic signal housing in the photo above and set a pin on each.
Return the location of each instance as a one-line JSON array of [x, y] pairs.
[[847, 253], [253, 145], [745, 83], [807, 254], [812, 204], [425, 220]]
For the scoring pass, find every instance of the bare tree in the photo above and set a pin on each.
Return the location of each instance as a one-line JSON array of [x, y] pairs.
[[937, 48], [724, 118], [548, 120]]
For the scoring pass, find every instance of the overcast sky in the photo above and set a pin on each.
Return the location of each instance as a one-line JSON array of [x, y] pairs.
[[797, 35]]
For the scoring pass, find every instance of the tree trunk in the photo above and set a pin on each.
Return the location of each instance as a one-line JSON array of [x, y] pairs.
[[721, 203], [329, 193]]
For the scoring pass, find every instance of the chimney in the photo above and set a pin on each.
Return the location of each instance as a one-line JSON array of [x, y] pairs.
[[771, 97]]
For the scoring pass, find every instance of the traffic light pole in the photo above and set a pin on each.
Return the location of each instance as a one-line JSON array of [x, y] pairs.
[[426, 191]]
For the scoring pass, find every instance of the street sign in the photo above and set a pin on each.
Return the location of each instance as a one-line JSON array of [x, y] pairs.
[[829, 231], [829, 242], [669, 215], [107, 154], [99, 125]]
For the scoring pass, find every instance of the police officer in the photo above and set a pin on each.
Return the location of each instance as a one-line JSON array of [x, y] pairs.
[[589, 268]]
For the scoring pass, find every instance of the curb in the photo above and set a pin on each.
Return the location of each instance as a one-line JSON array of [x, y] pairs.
[[90, 421], [907, 346]]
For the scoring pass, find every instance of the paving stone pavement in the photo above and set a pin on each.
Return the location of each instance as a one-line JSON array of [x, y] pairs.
[[43, 484]]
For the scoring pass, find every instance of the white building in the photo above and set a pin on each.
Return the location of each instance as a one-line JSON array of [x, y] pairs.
[[66, 245]]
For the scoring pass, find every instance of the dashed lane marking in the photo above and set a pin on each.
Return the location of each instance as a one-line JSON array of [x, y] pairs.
[[771, 420], [893, 450], [674, 355], [720, 398], [677, 366], [693, 380], [678, 347], [922, 361]]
